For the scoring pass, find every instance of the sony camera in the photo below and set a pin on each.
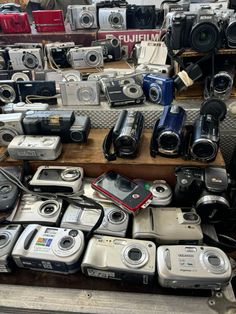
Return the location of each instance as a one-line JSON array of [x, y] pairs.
[[49, 21], [167, 135], [168, 225], [111, 48], [82, 16], [26, 58], [158, 88], [120, 259], [35, 147], [193, 267], [141, 16], [81, 93], [10, 126], [13, 23], [57, 53], [125, 136], [23, 107], [115, 221], [8, 92], [85, 57], [57, 179], [112, 18], [8, 237], [49, 249]]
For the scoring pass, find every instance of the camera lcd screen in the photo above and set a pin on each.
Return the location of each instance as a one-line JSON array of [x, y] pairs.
[[117, 185]]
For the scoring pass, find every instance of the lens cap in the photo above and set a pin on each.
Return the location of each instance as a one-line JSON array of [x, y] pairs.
[[215, 107]]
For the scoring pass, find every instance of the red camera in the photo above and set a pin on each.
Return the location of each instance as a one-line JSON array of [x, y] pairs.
[[12, 23], [49, 21]]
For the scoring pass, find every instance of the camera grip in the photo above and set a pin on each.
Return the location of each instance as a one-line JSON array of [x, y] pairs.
[[30, 238]]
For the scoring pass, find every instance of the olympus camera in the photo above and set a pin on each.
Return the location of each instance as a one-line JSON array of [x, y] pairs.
[[112, 18], [85, 57], [26, 59], [10, 126], [111, 48], [141, 16], [120, 259], [115, 221], [49, 249], [23, 107], [168, 226], [8, 92], [15, 23], [158, 88], [57, 53], [82, 16], [193, 267], [167, 136], [57, 179], [8, 237]]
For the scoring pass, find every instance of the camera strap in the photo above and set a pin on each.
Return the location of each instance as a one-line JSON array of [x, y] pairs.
[[186, 143], [106, 146], [154, 139], [224, 242]]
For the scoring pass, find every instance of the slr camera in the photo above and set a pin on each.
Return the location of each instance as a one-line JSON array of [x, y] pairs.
[[10, 126], [205, 189], [8, 92], [193, 267], [57, 53], [49, 249], [82, 16], [120, 259], [168, 226], [23, 107], [85, 57], [141, 16], [158, 88], [112, 18], [111, 48], [13, 23], [26, 58]]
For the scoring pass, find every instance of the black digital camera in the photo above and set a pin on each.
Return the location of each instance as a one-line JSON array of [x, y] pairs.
[[111, 48], [124, 136], [111, 4], [141, 16]]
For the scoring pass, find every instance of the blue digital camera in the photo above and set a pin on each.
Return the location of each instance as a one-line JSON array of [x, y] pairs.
[[158, 88]]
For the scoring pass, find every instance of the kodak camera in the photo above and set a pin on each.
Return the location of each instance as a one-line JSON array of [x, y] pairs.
[[168, 225], [26, 59], [13, 23], [10, 126], [57, 179], [112, 18], [141, 16], [8, 237], [35, 147], [23, 107], [120, 259], [57, 52], [49, 21], [8, 92], [193, 267], [82, 16], [85, 57], [49, 249], [111, 48]]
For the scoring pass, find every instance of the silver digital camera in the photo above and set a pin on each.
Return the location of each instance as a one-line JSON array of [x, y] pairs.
[[49, 249], [120, 259], [23, 107], [63, 76], [57, 179], [82, 93], [82, 16], [115, 221], [112, 18], [10, 126], [26, 59], [193, 267], [85, 57], [8, 237], [35, 147], [168, 226]]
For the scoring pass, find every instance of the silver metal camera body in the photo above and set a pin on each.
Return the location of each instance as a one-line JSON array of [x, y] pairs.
[[112, 18], [82, 16], [10, 126], [120, 259], [26, 59], [85, 57], [23, 107], [49, 249], [193, 267]]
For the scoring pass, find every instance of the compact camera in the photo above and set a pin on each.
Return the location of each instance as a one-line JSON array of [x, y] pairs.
[[49, 249], [82, 16], [111, 48], [206, 189], [168, 225], [115, 221], [158, 88], [193, 267], [23, 107], [35, 147], [34, 209], [63, 76], [57, 53], [16, 76], [8, 237], [26, 58], [85, 57], [81, 93], [167, 135], [13, 23], [8, 92], [57, 179], [49, 21], [112, 18], [120, 259], [141, 16], [10, 126]]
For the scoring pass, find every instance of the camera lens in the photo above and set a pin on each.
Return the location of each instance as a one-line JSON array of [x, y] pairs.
[[169, 141], [214, 260], [155, 93], [135, 254], [222, 82], [92, 58], [204, 150], [86, 94], [160, 189], [125, 145], [86, 19], [30, 60], [48, 208], [66, 243], [231, 34], [76, 136], [115, 20], [114, 42], [4, 239], [204, 37], [7, 93], [70, 174], [190, 216], [7, 137], [116, 216]]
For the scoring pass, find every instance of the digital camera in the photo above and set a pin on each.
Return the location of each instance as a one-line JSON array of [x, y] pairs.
[[220, 85], [158, 88], [49, 249], [120, 259], [112, 18], [111, 48], [23, 107], [12, 75], [167, 135], [13, 23], [168, 225], [141, 16], [193, 267], [49, 21], [81, 93], [8, 237], [230, 32], [26, 58], [115, 221], [82, 16], [57, 53], [8, 92], [85, 57], [57, 179], [10, 126], [63, 76]]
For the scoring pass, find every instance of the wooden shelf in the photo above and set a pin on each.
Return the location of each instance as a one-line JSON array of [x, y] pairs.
[[222, 51]]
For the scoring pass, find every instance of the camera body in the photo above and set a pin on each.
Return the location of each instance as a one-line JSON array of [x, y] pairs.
[[158, 88], [230, 31], [193, 267], [23, 107], [10, 126], [85, 57], [162, 193], [58, 53], [111, 48], [49, 21], [49, 249], [112, 18], [82, 16], [26, 58], [141, 16], [8, 235], [120, 259], [13, 23], [168, 225], [8, 92]]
